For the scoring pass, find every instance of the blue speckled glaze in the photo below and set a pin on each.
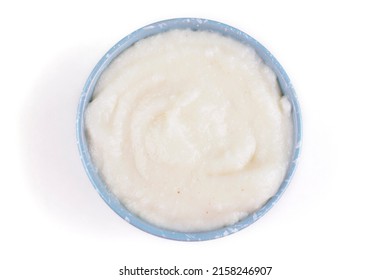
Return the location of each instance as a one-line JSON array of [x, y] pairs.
[[152, 29]]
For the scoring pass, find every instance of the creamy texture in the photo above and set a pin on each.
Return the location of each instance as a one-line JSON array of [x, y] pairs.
[[189, 130]]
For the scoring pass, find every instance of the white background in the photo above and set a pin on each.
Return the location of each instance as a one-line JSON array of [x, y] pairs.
[[332, 222]]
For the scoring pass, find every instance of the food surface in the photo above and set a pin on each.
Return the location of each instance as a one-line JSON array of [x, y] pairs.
[[189, 130]]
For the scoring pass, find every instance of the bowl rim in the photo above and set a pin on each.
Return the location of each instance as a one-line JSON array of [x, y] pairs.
[[287, 89]]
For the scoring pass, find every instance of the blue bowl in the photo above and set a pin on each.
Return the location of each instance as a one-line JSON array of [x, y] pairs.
[[159, 27]]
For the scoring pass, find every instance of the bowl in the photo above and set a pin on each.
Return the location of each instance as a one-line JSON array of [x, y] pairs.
[[159, 27]]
